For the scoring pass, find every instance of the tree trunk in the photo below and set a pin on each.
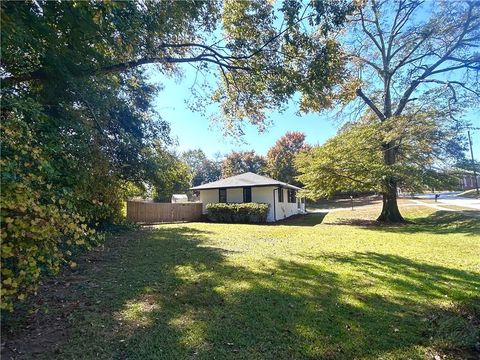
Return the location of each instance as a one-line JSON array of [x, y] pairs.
[[390, 212]]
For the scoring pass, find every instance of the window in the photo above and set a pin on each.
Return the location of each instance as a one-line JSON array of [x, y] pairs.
[[222, 195], [280, 195], [291, 196], [247, 194]]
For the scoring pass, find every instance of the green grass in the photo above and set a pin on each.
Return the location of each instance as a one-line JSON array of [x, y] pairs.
[[470, 194], [311, 288]]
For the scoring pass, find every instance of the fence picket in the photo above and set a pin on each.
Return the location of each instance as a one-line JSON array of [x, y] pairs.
[[148, 212]]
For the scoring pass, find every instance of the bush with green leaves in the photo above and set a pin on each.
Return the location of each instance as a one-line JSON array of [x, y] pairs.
[[238, 212], [41, 228]]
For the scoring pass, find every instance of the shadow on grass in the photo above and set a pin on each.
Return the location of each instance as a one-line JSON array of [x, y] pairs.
[[439, 222], [311, 219], [166, 293]]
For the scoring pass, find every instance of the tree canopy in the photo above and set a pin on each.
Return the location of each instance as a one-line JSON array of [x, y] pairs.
[[353, 160], [203, 170], [408, 59], [281, 156], [238, 162]]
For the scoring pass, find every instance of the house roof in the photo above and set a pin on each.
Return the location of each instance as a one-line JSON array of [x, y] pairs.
[[245, 179]]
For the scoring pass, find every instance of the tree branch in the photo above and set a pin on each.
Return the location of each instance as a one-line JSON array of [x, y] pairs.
[[431, 69], [370, 103]]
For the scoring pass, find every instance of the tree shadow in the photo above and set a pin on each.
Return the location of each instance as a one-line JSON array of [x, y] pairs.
[[167, 293], [440, 222], [311, 219]]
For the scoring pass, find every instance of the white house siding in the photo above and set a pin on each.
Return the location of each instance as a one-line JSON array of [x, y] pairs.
[[264, 194], [208, 197], [285, 209]]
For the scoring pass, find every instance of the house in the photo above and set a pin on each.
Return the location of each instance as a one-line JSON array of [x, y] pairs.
[[250, 187], [468, 181]]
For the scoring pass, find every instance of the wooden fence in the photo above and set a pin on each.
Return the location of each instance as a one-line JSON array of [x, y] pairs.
[[150, 212]]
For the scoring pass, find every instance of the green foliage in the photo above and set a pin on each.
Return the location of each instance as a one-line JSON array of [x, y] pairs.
[[353, 160], [237, 213], [74, 139], [203, 170], [171, 175], [238, 162], [301, 55], [281, 156], [40, 226]]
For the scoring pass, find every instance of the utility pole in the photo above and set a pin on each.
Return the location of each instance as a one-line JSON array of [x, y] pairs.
[[473, 163]]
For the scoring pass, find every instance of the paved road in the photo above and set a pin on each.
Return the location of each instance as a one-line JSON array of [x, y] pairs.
[[451, 198], [463, 202]]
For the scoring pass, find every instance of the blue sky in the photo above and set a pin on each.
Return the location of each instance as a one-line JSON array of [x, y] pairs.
[[194, 130]]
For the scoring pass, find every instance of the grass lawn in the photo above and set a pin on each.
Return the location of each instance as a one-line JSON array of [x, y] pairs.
[[318, 287]]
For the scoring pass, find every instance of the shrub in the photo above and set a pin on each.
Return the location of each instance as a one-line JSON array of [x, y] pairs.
[[40, 228], [238, 212]]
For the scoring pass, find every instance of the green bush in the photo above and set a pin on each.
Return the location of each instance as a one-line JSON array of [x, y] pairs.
[[41, 229], [237, 212]]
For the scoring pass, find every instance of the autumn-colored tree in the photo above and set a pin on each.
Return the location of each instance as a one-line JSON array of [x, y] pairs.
[[281, 156], [238, 162]]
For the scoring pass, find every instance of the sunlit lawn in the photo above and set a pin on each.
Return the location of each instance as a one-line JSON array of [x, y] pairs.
[[313, 288]]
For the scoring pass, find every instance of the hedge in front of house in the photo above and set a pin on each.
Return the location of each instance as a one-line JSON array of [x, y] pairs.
[[237, 212]]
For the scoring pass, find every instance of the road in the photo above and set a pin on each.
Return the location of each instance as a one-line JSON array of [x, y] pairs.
[[450, 198]]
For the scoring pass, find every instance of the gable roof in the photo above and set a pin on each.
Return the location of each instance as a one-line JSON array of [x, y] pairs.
[[245, 179]]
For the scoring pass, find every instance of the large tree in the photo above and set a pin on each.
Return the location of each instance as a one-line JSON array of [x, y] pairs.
[[408, 55], [77, 118], [203, 170], [353, 160], [281, 156], [238, 162]]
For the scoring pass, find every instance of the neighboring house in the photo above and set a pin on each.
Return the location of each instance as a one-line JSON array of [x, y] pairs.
[[468, 182], [250, 187]]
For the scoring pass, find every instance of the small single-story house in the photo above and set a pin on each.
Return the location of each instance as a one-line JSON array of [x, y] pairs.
[[250, 187]]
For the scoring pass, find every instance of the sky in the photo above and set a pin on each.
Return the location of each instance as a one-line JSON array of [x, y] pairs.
[[194, 130]]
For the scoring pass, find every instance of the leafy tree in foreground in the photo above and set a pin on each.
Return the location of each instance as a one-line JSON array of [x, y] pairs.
[[238, 162], [353, 160], [404, 56], [281, 156], [75, 93]]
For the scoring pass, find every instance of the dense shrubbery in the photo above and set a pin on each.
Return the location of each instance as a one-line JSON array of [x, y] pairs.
[[238, 213], [40, 227]]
